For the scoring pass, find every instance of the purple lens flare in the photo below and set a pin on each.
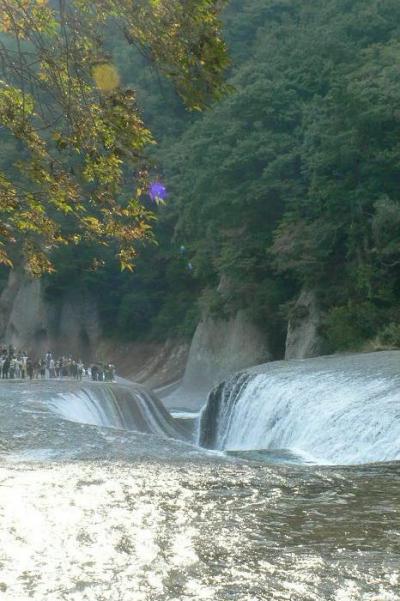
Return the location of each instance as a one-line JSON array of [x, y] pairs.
[[157, 192]]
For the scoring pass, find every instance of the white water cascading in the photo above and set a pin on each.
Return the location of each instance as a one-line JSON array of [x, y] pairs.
[[127, 408], [342, 410]]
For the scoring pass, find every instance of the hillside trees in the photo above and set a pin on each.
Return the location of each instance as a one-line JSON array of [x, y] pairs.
[[296, 174], [77, 131], [289, 181]]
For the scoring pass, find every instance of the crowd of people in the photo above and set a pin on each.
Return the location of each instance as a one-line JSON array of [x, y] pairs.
[[20, 365]]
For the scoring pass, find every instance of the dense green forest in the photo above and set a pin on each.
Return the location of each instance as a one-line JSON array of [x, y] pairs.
[[291, 181]]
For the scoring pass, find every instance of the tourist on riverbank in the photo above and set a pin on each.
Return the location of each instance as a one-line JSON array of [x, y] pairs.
[[52, 368], [81, 369], [29, 368], [6, 368], [24, 360], [42, 368], [12, 368], [110, 373], [94, 372], [19, 365]]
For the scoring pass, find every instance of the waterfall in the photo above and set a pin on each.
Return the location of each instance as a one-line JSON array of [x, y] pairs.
[[341, 410], [116, 406]]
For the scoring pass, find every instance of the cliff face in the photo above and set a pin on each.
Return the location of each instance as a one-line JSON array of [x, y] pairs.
[[303, 338], [28, 321], [70, 325], [154, 364], [219, 348]]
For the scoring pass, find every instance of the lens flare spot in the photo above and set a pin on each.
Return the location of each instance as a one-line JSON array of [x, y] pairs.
[[106, 77], [158, 192]]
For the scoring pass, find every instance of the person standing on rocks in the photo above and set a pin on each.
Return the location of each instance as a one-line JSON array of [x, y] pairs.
[[42, 368], [81, 369], [52, 368], [24, 361], [6, 368], [29, 368], [18, 366], [94, 372], [48, 359], [12, 368]]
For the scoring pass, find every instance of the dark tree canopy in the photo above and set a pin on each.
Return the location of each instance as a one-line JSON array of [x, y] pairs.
[[292, 181]]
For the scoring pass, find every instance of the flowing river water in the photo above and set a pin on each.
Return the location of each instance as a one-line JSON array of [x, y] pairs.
[[106, 497]]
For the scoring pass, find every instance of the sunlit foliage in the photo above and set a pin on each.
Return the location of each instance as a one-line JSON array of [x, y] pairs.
[[81, 175]]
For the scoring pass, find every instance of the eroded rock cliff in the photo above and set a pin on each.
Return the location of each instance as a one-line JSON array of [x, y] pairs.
[[29, 321], [303, 337], [219, 348], [70, 324]]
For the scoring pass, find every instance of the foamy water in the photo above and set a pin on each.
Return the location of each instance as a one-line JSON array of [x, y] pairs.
[[333, 410], [94, 508]]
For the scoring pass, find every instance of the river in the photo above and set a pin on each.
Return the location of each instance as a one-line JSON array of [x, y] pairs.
[[104, 496]]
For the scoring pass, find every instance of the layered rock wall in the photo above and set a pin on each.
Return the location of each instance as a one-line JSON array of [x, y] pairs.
[[303, 337], [219, 348], [29, 321], [70, 324]]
